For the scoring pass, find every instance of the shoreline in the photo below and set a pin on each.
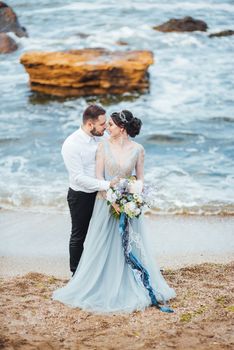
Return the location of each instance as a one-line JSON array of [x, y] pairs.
[[38, 242], [183, 212], [59, 267]]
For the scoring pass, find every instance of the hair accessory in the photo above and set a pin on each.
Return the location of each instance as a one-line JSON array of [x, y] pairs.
[[123, 118]]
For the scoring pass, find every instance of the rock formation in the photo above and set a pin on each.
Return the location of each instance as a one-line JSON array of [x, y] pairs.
[[186, 24], [223, 33], [7, 44], [9, 21], [87, 71]]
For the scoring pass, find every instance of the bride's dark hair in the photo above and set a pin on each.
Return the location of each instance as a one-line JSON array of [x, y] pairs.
[[126, 120]]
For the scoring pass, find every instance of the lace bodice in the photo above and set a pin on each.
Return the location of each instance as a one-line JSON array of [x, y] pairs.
[[129, 163]]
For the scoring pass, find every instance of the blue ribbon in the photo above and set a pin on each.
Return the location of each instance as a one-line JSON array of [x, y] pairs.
[[135, 264]]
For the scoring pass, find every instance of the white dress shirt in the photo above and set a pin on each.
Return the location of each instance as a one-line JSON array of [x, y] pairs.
[[79, 151]]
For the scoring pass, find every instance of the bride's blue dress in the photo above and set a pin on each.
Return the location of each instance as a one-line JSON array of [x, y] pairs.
[[103, 281]]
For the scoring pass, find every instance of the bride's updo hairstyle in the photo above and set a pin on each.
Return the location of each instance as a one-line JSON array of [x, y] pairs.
[[126, 120]]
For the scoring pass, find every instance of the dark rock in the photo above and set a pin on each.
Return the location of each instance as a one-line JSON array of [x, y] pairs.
[[7, 44], [121, 43], [223, 33], [83, 35], [186, 24], [9, 21]]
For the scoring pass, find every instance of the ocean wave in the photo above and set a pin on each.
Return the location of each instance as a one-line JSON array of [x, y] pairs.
[[139, 6], [222, 119], [175, 138], [209, 209], [59, 204], [9, 140]]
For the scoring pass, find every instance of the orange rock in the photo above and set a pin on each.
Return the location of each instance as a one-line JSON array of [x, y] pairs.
[[87, 71]]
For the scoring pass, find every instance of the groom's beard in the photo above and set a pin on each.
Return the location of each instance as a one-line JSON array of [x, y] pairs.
[[94, 132]]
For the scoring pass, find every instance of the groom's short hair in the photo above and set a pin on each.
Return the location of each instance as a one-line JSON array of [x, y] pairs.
[[93, 112]]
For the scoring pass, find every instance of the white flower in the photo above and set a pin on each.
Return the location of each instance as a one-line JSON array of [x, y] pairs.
[[129, 209], [136, 186], [137, 211], [114, 197], [118, 194], [111, 196], [132, 205], [127, 206]]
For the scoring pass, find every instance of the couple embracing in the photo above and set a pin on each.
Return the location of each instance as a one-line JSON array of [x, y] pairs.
[[103, 279]]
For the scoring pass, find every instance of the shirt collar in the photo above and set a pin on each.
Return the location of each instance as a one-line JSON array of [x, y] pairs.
[[87, 138]]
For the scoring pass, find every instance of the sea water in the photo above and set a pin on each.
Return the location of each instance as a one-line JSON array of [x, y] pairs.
[[187, 114]]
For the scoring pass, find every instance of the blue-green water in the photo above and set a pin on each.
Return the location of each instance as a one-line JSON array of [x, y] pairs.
[[188, 113]]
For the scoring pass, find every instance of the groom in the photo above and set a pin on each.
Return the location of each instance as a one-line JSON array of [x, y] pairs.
[[78, 153]]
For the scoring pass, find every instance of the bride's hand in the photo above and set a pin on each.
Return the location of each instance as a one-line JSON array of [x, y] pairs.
[[114, 181]]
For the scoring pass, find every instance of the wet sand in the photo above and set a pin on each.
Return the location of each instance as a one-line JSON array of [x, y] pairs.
[[196, 254], [38, 242]]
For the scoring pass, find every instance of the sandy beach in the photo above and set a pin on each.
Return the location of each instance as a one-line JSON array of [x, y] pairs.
[[203, 317], [195, 253]]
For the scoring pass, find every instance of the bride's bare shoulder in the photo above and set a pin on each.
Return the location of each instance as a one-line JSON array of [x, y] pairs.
[[138, 146]]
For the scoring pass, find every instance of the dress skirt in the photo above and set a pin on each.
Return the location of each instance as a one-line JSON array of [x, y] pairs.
[[103, 281]]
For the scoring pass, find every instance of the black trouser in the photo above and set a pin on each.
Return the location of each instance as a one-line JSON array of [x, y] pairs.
[[81, 208]]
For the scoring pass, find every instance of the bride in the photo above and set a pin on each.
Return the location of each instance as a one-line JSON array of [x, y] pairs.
[[104, 282]]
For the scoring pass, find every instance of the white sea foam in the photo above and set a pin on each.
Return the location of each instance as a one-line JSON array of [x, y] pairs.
[[156, 5]]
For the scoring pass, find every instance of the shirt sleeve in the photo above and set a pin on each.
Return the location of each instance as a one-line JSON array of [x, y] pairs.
[[74, 165], [100, 162]]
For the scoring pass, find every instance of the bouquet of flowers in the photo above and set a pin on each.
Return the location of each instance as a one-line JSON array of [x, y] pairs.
[[128, 196]]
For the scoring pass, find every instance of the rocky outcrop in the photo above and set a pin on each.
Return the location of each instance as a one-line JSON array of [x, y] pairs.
[[186, 24], [87, 71], [7, 44], [121, 43], [223, 33], [9, 21]]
